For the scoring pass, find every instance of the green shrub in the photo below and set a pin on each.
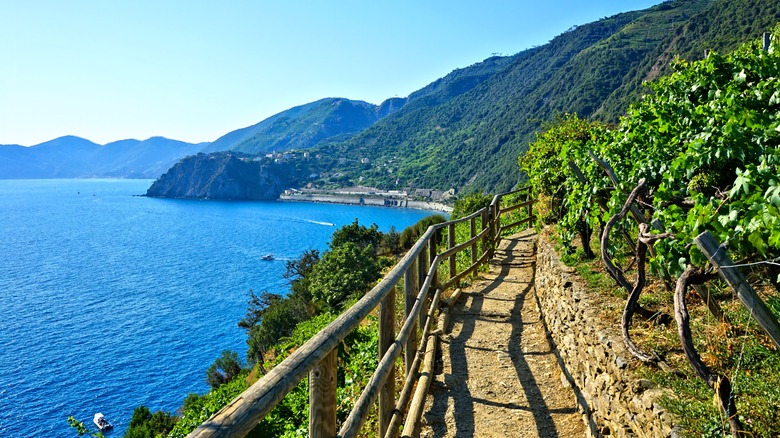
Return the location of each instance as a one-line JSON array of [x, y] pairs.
[[469, 204], [198, 408], [224, 369], [412, 233], [346, 271], [145, 424]]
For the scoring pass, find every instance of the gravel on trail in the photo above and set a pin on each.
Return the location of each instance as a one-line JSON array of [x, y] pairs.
[[497, 374]]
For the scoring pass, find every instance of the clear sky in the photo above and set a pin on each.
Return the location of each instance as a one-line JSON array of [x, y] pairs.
[[195, 70]]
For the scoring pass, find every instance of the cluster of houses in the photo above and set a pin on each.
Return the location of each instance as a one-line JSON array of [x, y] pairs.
[[287, 156], [361, 191], [423, 194], [427, 194]]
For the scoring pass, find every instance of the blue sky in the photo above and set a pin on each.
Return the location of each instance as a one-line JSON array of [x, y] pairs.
[[195, 70]]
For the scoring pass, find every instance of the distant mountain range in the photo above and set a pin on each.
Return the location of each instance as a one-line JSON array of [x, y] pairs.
[[463, 131], [74, 157], [300, 127]]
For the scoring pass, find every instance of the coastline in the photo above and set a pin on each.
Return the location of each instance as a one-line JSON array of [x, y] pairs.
[[367, 200]]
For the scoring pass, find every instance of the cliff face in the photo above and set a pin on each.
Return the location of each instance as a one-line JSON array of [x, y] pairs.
[[223, 176]]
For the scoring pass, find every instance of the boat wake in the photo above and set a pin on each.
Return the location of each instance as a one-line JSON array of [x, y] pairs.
[[327, 224]]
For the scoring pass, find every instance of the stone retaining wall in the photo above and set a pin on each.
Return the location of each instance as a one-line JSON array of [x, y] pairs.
[[613, 400]]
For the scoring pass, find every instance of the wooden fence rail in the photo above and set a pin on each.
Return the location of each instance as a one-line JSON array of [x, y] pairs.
[[317, 357], [719, 258]]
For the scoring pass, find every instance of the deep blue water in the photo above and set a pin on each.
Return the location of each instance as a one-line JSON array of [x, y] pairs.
[[109, 300]]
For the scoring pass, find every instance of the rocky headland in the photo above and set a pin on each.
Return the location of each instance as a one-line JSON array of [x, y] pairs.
[[224, 175]]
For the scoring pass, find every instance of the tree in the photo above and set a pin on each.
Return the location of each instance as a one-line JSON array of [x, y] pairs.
[[298, 272], [270, 317], [411, 233], [391, 243], [346, 271], [302, 266], [278, 320], [224, 369], [358, 234], [141, 415], [555, 163], [256, 307], [145, 424]]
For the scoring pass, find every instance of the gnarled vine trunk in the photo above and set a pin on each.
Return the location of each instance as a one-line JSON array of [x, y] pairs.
[[720, 384]]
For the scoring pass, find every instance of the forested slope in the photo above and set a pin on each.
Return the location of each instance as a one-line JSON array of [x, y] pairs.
[[470, 141]]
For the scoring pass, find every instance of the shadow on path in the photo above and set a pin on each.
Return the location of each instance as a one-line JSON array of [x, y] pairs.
[[461, 395], [481, 385], [544, 423]]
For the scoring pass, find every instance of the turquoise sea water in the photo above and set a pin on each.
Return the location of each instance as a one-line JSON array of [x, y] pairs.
[[110, 300]]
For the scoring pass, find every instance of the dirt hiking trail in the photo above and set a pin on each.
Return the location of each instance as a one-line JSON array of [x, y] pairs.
[[498, 376]]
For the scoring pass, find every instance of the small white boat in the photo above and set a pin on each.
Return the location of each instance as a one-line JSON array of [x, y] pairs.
[[268, 257], [101, 422]]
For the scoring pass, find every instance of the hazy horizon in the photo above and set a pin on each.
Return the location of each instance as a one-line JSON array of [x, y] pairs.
[[193, 72]]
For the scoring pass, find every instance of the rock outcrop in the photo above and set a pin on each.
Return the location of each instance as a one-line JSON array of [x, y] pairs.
[[223, 176]]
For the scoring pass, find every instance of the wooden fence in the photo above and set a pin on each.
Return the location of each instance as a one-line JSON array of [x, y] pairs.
[[317, 357]]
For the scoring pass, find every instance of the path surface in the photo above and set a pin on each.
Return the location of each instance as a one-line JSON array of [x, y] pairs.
[[498, 376]]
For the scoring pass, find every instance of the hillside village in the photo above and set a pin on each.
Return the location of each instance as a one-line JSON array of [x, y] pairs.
[[319, 186]]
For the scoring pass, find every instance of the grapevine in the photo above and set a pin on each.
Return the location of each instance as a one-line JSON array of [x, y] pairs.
[[700, 153]]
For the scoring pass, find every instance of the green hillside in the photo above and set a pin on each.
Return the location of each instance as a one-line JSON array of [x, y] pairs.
[[304, 126], [721, 26], [470, 141]]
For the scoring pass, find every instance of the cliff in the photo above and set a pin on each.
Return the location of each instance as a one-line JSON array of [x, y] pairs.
[[224, 176]]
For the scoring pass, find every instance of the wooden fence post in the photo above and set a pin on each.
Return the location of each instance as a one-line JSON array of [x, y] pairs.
[[432, 250], [486, 238], [422, 269], [473, 234], [450, 243], [411, 277], [322, 397], [491, 235], [386, 339], [428, 263], [758, 310], [497, 222]]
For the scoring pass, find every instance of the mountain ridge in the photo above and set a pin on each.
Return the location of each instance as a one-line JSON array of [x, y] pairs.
[[472, 142], [75, 157], [466, 129]]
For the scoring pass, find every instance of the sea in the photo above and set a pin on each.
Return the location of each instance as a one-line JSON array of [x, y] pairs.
[[110, 300]]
